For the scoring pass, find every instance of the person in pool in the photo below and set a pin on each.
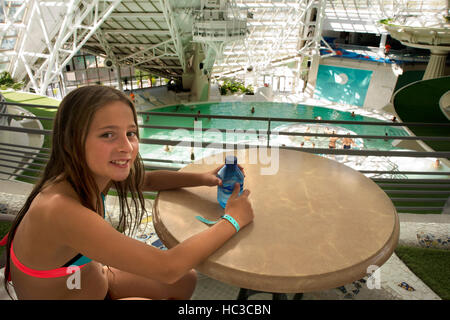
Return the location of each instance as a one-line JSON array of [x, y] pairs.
[[61, 226], [332, 141], [348, 142]]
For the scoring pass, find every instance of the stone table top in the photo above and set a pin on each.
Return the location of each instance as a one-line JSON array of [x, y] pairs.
[[318, 223]]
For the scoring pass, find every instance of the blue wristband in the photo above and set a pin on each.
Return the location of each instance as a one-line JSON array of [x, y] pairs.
[[232, 221], [205, 220], [226, 217]]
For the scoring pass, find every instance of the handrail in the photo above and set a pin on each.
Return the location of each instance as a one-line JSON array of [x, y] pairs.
[[256, 118], [26, 162], [28, 105], [252, 131]]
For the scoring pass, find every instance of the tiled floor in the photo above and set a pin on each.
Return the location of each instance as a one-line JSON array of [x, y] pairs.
[[392, 274]]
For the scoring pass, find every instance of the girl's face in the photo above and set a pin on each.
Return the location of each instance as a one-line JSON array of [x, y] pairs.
[[111, 143]]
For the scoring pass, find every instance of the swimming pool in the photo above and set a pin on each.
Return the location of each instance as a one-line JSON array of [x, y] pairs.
[[261, 109], [342, 85]]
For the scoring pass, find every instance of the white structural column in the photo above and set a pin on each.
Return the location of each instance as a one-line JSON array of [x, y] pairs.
[[174, 31], [311, 40], [78, 32], [382, 46], [110, 54], [216, 25], [436, 64], [310, 37], [47, 69], [19, 57], [54, 33]]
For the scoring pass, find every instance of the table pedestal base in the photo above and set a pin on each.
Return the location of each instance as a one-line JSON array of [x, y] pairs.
[[244, 294]]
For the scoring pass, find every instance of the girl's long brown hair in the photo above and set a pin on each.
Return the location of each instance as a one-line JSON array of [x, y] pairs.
[[68, 161]]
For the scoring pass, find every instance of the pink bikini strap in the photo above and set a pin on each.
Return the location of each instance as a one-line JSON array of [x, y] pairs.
[[3, 241], [54, 273]]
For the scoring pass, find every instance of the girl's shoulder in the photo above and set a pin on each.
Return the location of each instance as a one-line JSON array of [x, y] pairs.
[[43, 219], [53, 200]]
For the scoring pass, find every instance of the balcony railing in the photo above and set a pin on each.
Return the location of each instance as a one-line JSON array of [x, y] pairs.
[[409, 193]]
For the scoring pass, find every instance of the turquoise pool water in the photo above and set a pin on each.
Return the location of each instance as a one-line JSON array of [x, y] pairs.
[[262, 109], [342, 85]]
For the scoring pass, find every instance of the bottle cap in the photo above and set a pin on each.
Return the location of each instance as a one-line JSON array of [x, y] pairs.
[[230, 160]]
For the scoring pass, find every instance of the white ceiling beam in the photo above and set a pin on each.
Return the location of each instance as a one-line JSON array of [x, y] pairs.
[[43, 27], [36, 54], [19, 57], [164, 67], [14, 25], [30, 73], [53, 66], [266, 5], [53, 3], [140, 15], [107, 49], [265, 23], [175, 33], [46, 70], [127, 45], [11, 20], [162, 45], [162, 56], [137, 32]]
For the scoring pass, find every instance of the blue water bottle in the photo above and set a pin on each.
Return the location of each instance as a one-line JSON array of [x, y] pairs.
[[229, 174]]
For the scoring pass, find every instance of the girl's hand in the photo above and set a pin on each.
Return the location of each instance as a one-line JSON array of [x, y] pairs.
[[210, 178], [240, 207]]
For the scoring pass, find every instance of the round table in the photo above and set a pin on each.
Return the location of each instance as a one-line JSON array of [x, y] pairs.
[[318, 223]]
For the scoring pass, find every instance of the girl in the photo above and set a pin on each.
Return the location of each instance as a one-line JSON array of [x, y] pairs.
[[95, 147]]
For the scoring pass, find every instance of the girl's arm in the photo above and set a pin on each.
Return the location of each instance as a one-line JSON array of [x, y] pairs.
[[159, 180], [86, 232], [165, 179]]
